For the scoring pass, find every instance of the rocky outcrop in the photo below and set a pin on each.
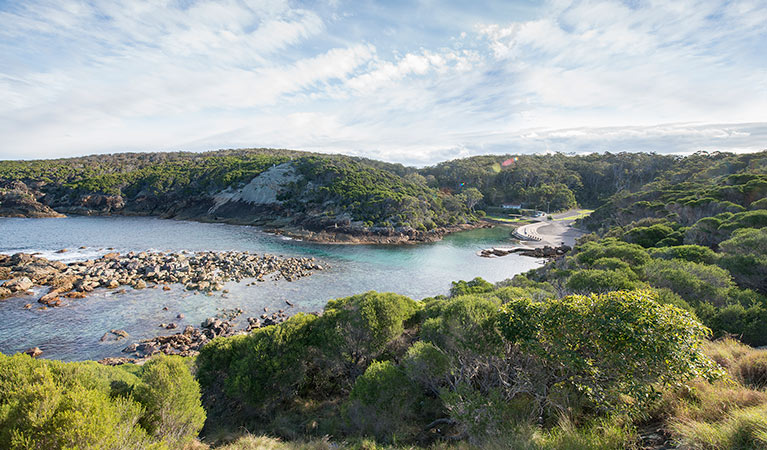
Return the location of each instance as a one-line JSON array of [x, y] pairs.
[[18, 200], [201, 271], [541, 252]]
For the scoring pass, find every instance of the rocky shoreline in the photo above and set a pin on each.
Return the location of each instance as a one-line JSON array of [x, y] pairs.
[[189, 341], [199, 271], [539, 252], [28, 201]]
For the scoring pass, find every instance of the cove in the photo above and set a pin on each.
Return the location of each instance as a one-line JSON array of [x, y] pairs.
[[72, 332]]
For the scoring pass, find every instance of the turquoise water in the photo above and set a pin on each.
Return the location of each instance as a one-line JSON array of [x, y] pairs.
[[72, 332]]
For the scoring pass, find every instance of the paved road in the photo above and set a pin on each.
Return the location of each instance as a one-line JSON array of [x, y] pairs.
[[552, 232]]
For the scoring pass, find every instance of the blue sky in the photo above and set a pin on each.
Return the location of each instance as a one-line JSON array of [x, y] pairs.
[[407, 81]]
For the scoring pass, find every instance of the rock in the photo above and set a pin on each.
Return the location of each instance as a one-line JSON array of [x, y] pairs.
[[117, 361], [113, 284], [121, 334], [171, 326], [5, 293], [166, 288], [140, 284], [180, 316], [28, 306], [34, 352], [75, 294], [111, 255], [63, 250], [18, 284]]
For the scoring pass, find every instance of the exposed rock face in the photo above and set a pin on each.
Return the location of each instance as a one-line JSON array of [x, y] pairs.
[[18, 200], [262, 190], [202, 271]]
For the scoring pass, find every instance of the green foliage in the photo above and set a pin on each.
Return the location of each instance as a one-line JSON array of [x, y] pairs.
[[693, 281], [609, 345], [363, 326], [384, 403], [475, 286], [632, 254], [171, 397], [464, 324], [651, 236], [266, 367], [745, 256], [55, 405], [693, 253], [596, 280]]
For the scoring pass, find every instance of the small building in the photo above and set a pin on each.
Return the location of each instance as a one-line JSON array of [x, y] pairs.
[[511, 206]]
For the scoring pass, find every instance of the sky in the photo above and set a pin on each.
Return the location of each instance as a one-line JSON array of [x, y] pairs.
[[414, 82]]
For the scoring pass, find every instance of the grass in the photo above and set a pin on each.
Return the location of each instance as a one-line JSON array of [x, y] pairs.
[[579, 215], [516, 220], [728, 414]]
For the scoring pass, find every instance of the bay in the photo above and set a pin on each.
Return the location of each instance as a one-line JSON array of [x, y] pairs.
[[72, 332]]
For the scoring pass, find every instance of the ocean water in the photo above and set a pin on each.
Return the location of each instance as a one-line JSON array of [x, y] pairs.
[[72, 332]]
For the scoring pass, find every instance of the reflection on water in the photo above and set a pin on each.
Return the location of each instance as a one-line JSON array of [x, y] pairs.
[[72, 332]]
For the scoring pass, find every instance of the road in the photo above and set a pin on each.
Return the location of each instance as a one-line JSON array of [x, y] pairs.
[[553, 232]]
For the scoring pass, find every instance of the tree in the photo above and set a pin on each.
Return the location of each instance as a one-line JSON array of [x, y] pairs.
[[472, 196], [745, 256]]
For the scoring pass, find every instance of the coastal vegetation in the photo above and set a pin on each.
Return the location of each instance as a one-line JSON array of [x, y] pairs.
[[642, 336]]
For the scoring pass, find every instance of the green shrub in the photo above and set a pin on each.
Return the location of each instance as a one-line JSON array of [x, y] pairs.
[[266, 367], [594, 343], [475, 286], [595, 280], [652, 235], [360, 328], [693, 253], [695, 282], [55, 405], [171, 397], [745, 256], [610, 264], [633, 254], [383, 403], [427, 366], [464, 324]]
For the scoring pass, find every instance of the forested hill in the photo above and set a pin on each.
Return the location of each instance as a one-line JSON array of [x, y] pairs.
[[276, 188], [357, 196]]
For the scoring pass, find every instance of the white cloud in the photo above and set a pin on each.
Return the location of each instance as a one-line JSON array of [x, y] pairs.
[[81, 77]]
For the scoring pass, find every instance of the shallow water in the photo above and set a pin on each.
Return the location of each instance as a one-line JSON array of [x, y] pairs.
[[72, 332]]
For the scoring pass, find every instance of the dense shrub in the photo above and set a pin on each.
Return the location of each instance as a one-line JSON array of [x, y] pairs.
[[55, 405], [652, 235], [383, 403], [694, 282], [693, 253], [171, 397], [632, 254], [595, 280], [593, 343], [745, 256], [475, 286]]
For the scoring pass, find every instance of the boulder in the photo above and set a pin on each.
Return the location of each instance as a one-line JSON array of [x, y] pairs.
[[18, 284], [34, 352]]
